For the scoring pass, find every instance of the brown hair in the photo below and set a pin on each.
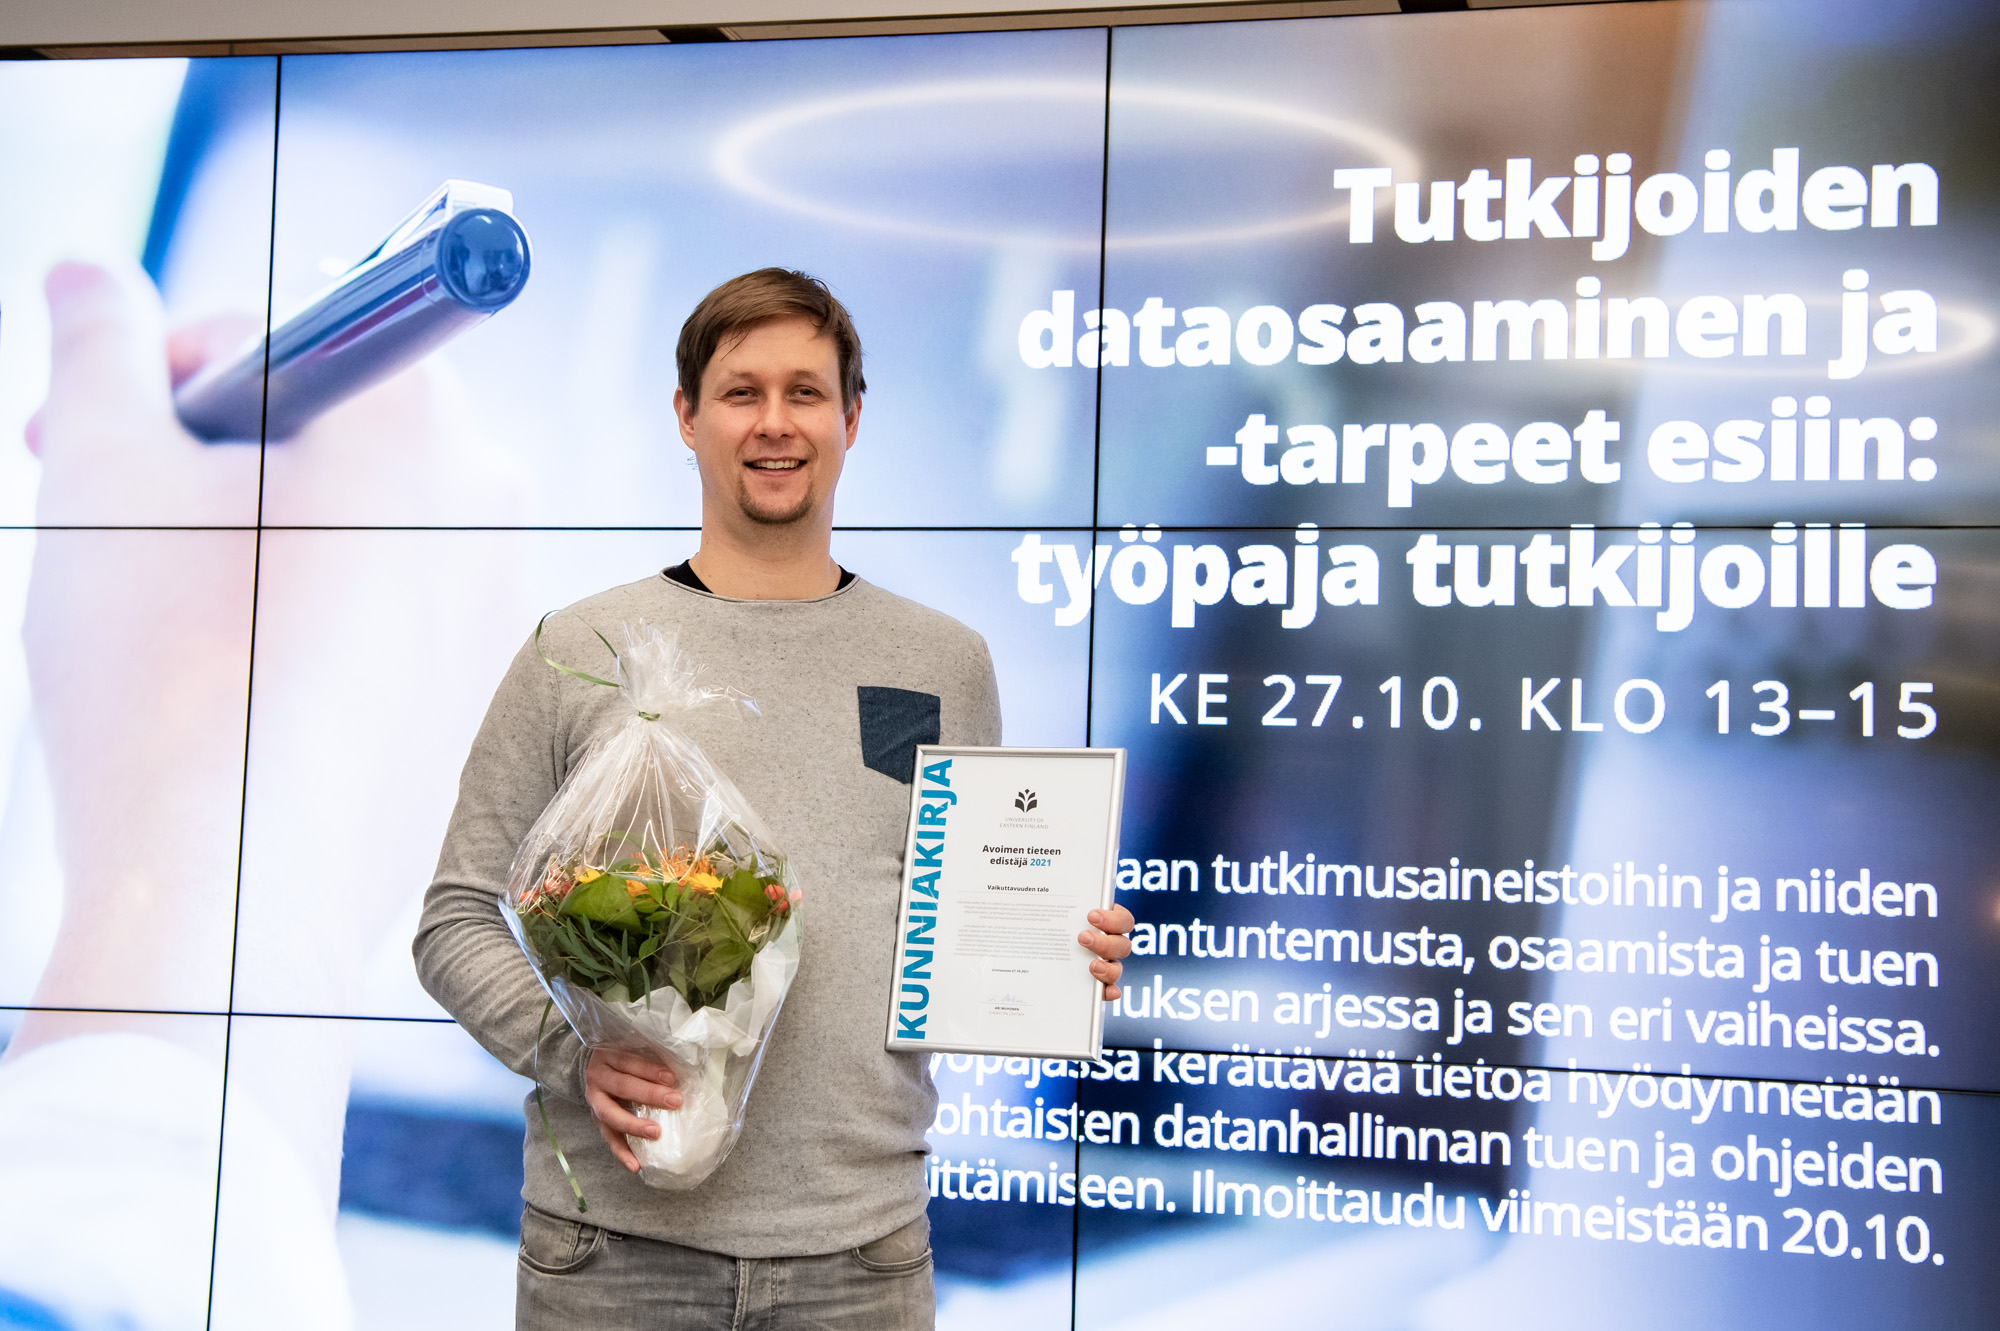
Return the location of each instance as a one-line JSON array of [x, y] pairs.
[[754, 299]]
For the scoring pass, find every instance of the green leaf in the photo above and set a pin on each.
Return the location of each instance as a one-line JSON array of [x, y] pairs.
[[604, 899], [743, 889], [722, 963], [736, 921]]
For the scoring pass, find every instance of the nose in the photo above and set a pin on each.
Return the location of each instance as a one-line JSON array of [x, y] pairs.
[[774, 421]]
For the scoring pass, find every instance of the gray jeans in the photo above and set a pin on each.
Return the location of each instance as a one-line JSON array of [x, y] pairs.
[[574, 1275]]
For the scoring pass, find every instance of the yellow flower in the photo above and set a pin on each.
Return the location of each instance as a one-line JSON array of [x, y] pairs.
[[587, 875], [704, 883]]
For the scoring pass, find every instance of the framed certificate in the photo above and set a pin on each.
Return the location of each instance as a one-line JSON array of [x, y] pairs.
[[1008, 852]]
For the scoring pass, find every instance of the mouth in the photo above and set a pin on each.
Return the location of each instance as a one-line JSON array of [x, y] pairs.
[[776, 464]]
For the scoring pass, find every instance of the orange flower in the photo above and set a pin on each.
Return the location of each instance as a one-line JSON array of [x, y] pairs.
[[677, 864], [555, 884]]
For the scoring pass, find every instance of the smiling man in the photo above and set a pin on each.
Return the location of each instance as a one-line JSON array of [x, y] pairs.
[[817, 1218]]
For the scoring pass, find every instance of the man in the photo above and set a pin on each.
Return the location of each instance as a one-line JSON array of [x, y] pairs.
[[817, 1216]]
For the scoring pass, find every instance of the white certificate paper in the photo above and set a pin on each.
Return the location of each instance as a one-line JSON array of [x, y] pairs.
[[1008, 852]]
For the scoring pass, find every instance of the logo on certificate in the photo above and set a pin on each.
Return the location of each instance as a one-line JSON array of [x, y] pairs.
[[1025, 800]]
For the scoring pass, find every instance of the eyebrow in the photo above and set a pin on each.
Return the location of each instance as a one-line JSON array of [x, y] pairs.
[[738, 379]]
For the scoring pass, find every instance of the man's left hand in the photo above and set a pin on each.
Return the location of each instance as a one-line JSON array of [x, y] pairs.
[[1107, 939]]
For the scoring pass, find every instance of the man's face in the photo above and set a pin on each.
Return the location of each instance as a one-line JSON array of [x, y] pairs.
[[769, 433]]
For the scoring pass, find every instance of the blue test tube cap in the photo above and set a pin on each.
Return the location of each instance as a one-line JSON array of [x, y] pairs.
[[482, 258]]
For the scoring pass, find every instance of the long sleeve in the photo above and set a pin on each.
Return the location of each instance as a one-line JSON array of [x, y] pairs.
[[832, 1147], [466, 957]]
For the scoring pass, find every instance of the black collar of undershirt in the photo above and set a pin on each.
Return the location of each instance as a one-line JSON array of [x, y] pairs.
[[687, 577]]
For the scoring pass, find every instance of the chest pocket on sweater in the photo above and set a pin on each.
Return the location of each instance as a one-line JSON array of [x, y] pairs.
[[893, 723]]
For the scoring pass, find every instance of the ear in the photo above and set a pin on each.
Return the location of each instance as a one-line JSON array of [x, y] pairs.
[[684, 414], [853, 421]]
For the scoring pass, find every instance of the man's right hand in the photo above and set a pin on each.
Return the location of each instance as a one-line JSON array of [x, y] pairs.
[[614, 1078]]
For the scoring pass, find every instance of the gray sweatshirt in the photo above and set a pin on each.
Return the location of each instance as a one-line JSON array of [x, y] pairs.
[[832, 1149]]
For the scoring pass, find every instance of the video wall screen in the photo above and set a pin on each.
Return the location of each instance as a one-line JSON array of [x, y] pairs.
[[1522, 485]]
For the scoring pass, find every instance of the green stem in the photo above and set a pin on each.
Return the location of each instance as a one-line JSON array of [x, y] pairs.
[[543, 1109]]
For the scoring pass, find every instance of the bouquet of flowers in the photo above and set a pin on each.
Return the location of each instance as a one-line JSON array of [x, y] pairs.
[[656, 909]]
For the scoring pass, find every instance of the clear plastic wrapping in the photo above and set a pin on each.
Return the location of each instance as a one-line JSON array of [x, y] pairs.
[[656, 908]]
